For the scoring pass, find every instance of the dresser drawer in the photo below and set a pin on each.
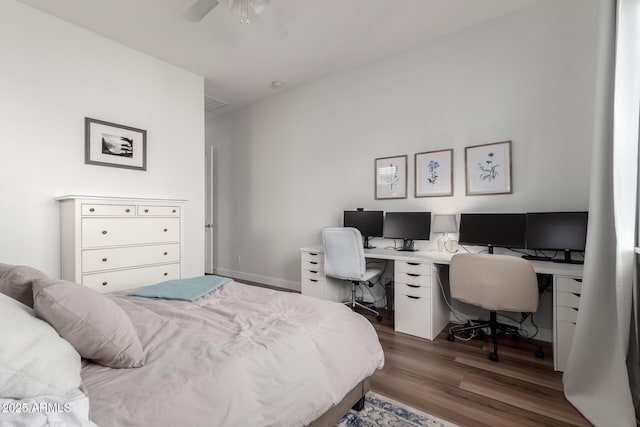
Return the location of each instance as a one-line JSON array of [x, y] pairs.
[[413, 279], [312, 274], [569, 284], [567, 299], [412, 290], [99, 232], [313, 287], [421, 268], [564, 338], [566, 314], [108, 210], [312, 256], [129, 279], [158, 210], [112, 258], [313, 265], [413, 315]]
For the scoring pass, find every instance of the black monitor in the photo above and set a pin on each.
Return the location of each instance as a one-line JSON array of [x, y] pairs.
[[558, 231], [369, 223], [493, 229], [408, 226]]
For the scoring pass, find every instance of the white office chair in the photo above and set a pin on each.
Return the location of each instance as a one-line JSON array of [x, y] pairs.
[[494, 282], [344, 259]]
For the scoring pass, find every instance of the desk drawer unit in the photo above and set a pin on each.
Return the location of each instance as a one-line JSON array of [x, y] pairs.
[[566, 301], [314, 283], [111, 244], [419, 309]]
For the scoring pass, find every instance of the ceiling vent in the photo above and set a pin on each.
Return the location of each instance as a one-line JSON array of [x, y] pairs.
[[211, 104]]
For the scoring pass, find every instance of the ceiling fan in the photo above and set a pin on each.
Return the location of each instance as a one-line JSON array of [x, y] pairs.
[[259, 8]]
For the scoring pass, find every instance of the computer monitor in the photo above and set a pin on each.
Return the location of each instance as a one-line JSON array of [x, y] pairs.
[[493, 229], [369, 223], [408, 226], [558, 231]]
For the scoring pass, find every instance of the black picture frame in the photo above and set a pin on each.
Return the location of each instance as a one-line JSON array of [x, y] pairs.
[[114, 145]]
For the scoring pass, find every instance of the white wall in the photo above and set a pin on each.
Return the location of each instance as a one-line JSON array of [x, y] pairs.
[[291, 164], [53, 75]]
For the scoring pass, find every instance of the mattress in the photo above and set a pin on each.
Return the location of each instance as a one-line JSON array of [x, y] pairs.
[[240, 356]]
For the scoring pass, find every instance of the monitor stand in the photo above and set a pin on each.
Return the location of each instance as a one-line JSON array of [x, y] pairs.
[[567, 259], [490, 250], [366, 243], [407, 246]]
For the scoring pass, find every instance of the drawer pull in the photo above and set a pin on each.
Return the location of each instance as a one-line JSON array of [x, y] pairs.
[[104, 283], [146, 211], [412, 297], [127, 210], [413, 286], [313, 271], [313, 254], [104, 231], [92, 210], [578, 280], [314, 280], [173, 211], [104, 260], [313, 262], [413, 263], [413, 275], [166, 274], [165, 230], [166, 253]]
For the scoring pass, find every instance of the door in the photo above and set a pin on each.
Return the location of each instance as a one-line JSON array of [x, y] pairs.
[[209, 211]]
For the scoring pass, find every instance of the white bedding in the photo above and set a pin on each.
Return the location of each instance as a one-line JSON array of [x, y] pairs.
[[240, 356], [68, 410]]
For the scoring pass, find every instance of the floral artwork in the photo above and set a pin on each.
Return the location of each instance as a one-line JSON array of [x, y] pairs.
[[391, 177], [434, 173], [488, 169]]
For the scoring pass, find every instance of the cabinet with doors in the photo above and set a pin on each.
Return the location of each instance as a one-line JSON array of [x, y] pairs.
[[420, 308], [313, 281], [111, 243], [566, 302]]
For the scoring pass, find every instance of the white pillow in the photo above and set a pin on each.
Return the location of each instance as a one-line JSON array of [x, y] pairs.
[[34, 359]]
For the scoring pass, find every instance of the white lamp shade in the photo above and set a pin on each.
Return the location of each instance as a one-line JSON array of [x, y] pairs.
[[444, 224]]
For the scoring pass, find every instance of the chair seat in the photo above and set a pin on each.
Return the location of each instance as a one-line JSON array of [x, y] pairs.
[[371, 273]]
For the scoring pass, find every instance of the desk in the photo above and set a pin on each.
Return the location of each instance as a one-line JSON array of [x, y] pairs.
[[420, 308]]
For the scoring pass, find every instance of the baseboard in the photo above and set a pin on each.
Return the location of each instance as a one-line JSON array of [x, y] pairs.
[[272, 281]]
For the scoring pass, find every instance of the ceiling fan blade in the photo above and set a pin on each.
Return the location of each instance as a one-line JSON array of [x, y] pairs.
[[199, 10], [269, 19]]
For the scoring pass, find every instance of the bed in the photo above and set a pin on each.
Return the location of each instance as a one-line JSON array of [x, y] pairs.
[[239, 356]]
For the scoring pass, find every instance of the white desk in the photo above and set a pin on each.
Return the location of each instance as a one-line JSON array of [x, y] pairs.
[[420, 308]]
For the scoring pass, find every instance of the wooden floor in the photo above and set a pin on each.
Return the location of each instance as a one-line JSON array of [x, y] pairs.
[[457, 382]]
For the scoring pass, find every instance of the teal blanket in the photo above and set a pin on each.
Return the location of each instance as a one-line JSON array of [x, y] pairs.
[[183, 289]]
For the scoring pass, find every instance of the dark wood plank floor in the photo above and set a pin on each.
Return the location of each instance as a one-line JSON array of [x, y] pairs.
[[457, 382]]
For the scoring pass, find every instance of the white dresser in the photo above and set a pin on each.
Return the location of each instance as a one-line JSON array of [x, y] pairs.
[[566, 301], [111, 243], [313, 281], [420, 309]]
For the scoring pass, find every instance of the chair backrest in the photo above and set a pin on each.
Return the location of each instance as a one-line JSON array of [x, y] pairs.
[[343, 253], [494, 282]]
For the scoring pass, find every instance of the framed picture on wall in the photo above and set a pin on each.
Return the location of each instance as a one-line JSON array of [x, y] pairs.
[[110, 144], [434, 173], [391, 177], [488, 169]]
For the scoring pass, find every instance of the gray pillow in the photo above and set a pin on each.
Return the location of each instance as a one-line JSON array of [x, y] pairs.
[[16, 282], [94, 325]]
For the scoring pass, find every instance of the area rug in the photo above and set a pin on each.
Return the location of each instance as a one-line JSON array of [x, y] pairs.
[[380, 411]]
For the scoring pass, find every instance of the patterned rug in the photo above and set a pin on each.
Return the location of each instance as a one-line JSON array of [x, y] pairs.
[[380, 411]]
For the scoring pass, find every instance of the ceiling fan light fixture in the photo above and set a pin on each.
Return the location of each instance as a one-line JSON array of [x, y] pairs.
[[276, 84]]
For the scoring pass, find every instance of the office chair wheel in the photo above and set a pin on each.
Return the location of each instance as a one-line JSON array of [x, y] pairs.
[[493, 356], [539, 353], [379, 318], [451, 337]]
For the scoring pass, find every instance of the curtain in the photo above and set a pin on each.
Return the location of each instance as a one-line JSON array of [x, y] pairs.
[[597, 380]]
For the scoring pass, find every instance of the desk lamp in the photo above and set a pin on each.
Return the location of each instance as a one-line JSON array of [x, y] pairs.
[[444, 224]]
